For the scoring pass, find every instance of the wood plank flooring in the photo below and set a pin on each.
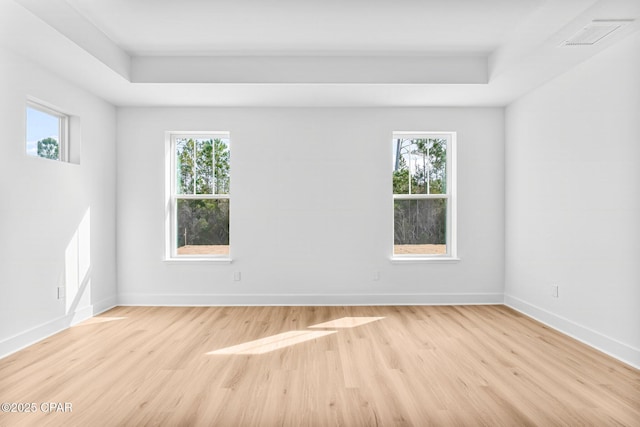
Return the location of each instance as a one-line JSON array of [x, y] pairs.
[[247, 366]]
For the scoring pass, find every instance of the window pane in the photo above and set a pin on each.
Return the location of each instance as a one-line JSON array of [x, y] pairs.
[[202, 227], [222, 162], [43, 134], [436, 176], [401, 164], [204, 166], [420, 226], [420, 166], [185, 165]]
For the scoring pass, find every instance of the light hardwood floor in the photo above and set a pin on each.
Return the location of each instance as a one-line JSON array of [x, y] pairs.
[[272, 366]]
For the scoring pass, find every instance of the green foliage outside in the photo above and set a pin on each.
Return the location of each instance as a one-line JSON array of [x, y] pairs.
[[202, 168], [420, 168], [203, 164], [203, 222], [419, 222], [49, 149]]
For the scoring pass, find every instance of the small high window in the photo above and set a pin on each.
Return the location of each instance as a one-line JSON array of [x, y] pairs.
[[47, 132]]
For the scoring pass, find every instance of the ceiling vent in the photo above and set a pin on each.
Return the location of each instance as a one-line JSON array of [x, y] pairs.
[[595, 31]]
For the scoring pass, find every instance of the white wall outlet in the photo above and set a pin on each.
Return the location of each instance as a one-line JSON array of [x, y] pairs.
[[375, 276], [61, 292], [554, 291], [236, 276]]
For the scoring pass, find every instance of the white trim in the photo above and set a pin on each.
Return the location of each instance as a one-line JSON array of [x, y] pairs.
[[105, 305], [197, 259], [45, 330], [421, 134], [450, 196], [201, 196], [200, 134], [169, 163], [308, 299], [419, 196], [452, 191], [171, 197], [45, 107], [413, 259], [619, 350]]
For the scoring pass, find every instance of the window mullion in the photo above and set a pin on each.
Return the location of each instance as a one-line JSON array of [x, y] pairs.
[[195, 167], [214, 180], [427, 171], [410, 158]]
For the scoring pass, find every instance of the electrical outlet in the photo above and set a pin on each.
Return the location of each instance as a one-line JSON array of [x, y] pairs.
[[236, 276], [554, 291], [61, 292], [376, 276]]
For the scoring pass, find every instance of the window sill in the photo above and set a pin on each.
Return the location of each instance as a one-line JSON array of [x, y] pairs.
[[198, 260], [423, 259]]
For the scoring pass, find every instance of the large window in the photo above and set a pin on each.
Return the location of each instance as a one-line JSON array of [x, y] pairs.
[[423, 195], [47, 132], [199, 195]]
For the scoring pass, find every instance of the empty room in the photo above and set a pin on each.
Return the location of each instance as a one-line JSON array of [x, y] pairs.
[[320, 213]]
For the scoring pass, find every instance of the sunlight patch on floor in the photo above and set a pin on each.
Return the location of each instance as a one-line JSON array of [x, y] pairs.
[[347, 322], [286, 339], [95, 320], [274, 342]]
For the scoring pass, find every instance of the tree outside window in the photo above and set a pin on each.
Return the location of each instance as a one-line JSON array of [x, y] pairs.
[[421, 194], [200, 200]]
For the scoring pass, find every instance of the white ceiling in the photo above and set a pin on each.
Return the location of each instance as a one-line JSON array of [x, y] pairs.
[[307, 52], [196, 27]]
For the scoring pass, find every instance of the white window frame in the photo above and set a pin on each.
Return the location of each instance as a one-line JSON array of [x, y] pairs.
[[451, 196], [172, 197], [63, 128]]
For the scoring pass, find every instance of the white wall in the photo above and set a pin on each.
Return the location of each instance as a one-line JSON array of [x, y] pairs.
[[573, 201], [311, 208], [57, 220]]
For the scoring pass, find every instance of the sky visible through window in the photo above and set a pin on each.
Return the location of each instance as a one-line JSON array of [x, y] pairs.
[[40, 125]]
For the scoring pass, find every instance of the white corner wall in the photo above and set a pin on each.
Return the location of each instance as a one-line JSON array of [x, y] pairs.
[[57, 220], [573, 202], [311, 208]]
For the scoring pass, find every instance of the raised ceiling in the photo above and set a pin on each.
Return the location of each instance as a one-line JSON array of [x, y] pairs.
[[307, 52], [306, 27]]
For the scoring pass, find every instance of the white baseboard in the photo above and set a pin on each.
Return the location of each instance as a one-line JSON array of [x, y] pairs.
[[621, 351], [45, 330], [307, 299], [104, 305], [38, 333]]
